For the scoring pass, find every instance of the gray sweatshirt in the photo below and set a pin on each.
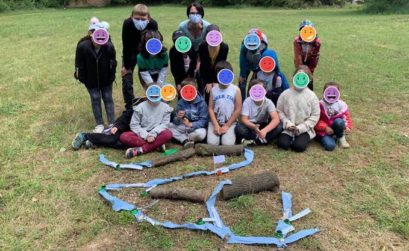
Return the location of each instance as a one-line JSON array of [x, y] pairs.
[[148, 120], [300, 109]]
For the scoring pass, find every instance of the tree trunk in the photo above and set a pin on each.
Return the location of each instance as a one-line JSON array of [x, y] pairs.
[[266, 181], [181, 155], [210, 150], [178, 194]]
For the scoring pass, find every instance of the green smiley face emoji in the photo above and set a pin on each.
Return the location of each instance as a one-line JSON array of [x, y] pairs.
[[301, 80], [183, 44]]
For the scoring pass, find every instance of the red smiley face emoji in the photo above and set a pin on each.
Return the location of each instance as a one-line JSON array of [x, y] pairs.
[[267, 64], [188, 93]]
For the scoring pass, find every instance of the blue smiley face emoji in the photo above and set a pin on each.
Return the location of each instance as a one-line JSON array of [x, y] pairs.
[[153, 93], [225, 77], [154, 46], [252, 42]]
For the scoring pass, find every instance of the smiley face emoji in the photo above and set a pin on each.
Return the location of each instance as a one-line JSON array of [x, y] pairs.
[[183, 44], [188, 93], [214, 38], [308, 34], [153, 93], [257, 92], [100, 36], [154, 46], [331, 94], [267, 64], [252, 42], [225, 77], [301, 80], [168, 92]]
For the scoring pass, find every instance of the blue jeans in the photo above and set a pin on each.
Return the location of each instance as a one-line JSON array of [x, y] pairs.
[[328, 141], [106, 94]]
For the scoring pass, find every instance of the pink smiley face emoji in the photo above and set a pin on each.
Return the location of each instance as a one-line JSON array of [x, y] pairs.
[[100, 36], [331, 94], [214, 38], [257, 92]]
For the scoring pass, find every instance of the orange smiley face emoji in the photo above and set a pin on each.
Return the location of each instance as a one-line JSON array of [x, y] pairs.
[[168, 92], [308, 34]]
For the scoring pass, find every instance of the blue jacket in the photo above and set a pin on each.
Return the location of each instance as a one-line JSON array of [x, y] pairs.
[[273, 54], [245, 67], [195, 111]]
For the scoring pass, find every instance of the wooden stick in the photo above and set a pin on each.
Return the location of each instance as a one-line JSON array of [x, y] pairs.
[[181, 155], [178, 194]]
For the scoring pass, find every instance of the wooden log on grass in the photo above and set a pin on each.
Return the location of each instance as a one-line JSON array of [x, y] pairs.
[[178, 194], [181, 155], [210, 150], [265, 181]]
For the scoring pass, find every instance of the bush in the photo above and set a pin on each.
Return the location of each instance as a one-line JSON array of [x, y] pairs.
[[387, 6]]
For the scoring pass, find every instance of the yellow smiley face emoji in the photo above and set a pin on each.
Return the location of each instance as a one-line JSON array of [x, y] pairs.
[[308, 34], [168, 92]]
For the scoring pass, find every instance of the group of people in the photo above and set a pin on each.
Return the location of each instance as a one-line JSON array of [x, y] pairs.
[[210, 108]]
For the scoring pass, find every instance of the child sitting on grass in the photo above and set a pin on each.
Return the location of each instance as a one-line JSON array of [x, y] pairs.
[[299, 111], [260, 123], [224, 107], [149, 125], [335, 119], [189, 125]]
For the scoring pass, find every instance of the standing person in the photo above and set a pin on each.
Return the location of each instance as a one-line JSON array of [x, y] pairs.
[[270, 74], [149, 125], [224, 107], [260, 123], [190, 124], [252, 47], [152, 59], [307, 47], [335, 119], [299, 111], [195, 26], [95, 63], [182, 59], [211, 52], [132, 29]]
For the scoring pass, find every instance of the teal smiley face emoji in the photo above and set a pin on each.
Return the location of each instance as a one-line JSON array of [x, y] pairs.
[[301, 80], [183, 44]]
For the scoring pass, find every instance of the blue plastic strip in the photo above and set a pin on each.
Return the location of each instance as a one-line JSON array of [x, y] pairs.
[[117, 204], [132, 166], [287, 205]]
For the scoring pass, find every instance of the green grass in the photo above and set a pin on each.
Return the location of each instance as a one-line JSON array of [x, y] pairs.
[[48, 193]]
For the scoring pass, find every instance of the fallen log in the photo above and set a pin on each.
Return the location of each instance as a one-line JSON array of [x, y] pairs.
[[181, 155], [210, 150], [265, 181]]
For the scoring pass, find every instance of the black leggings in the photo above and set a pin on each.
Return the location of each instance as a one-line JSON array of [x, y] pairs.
[[106, 94], [101, 139], [298, 143]]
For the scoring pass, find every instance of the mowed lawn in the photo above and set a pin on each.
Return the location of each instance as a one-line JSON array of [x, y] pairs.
[[48, 193]]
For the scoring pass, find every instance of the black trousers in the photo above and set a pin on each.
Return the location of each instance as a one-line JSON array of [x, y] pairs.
[[298, 143], [101, 139], [243, 132]]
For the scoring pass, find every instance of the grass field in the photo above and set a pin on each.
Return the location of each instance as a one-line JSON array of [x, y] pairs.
[[48, 193]]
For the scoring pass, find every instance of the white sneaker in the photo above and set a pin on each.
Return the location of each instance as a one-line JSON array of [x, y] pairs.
[[343, 142], [248, 142], [98, 129]]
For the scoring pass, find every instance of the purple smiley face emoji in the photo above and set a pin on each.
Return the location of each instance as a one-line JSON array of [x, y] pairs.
[[225, 76], [214, 38], [331, 94], [154, 46], [100, 36], [257, 92]]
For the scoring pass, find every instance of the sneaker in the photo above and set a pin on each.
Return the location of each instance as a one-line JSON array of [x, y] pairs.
[[78, 141], [107, 131], [133, 152], [98, 129], [188, 144], [162, 148], [343, 142], [247, 142], [89, 145]]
